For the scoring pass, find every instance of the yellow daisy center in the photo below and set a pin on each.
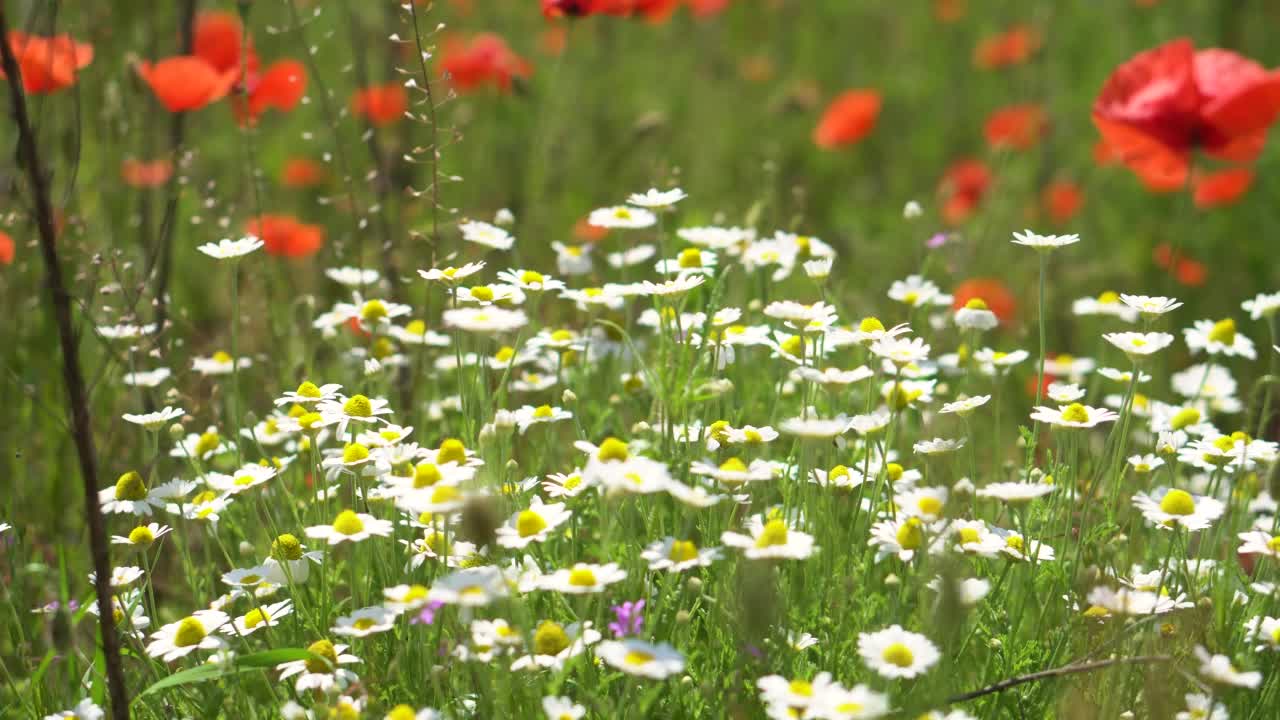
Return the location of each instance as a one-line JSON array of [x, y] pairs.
[[774, 534], [543, 411], [682, 551], [131, 487], [549, 639], [354, 452], [1075, 413], [363, 623], [529, 523], [357, 406], [1223, 331], [529, 277], [373, 311], [416, 327], [256, 617], [207, 443], [582, 577], [898, 654], [190, 632], [348, 523], [929, 505], [452, 450], [445, 494], [690, 258], [326, 650], [483, 293], [286, 547], [142, 535], [1178, 502], [426, 474], [910, 535], [612, 449]]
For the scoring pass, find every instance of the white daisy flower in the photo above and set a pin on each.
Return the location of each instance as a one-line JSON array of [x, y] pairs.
[[365, 622], [636, 657], [147, 378], [897, 653], [1150, 307], [536, 524], [490, 236], [622, 217], [228, 249], [1016, 492], [1172, 508], [141, 537], [1128, 601], [1043, 243], [155, 420], [554, 644], [1139, 345], [219, 363], [1262, 305], [772, 539], [583, 578], [656, 199], [1218, 338], [1265, 631], [1257, 542], [965, 406], [194, 632], [1202, 707], [915, 291], [1218, 669], [631, 256], [352, 277], [1074, 415], [325, 673], [258, 618], [350, 526], [675, 556], [86, 709], [470, 587], [450, 275]]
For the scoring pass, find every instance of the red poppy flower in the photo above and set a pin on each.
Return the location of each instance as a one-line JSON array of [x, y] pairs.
[[1012, 47], [6, 248], [1164, 103], [584, 230], [848, 119], [219, 38], [1062, 199], [963, 186], [948, 11], [300, 172], [1191, 273], [656, 11], [285, 236], [381, 104], [1016, 127], [583, 8], [281, 88], [48, 64], [1221, 188], [484, 59], [186, 82], [707, 8], [144, 174], [995, 294]]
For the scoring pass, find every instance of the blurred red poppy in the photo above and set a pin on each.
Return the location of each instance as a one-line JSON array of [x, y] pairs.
[[963, 186], [1016, 127], [1061, 200], [583, 8], [220, 40], [144, 174], [6, 248], [186, 82], [300, 172], [995, 294], [48, 64], [485, 59], [1162, 104], [1221, 188], [584, 230], [1012, 47], [553, 40], [849, 118], [656, 11], [381, 104], [1191, 273], [285, 236], [948, 11], [707, 8]]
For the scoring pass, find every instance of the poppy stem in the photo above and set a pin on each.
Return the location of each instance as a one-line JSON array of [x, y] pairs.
[[73, 376]]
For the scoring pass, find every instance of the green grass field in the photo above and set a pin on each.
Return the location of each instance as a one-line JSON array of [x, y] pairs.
[[401, 398]]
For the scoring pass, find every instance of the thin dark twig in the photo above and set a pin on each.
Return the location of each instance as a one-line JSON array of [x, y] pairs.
[[162, 253], [1071, 669], [72, 374]]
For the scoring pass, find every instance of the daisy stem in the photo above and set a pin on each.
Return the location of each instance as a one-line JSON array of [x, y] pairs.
[[234, 401], [1044, 262]]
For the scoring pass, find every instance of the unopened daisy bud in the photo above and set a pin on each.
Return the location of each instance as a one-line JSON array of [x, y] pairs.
[[246, 548], [995, 643], [755, 305], [912, 210], [512, 465], [892, 580], [686, 680], [963, 486], [568, 397], [615, 399], [693, 585], [487, 433], [683, 617], [176, 431], [640, 428]]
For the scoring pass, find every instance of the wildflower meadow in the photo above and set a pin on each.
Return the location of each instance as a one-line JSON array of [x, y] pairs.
[[622, 359]]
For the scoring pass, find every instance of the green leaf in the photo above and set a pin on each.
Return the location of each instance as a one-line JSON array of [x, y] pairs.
[[197, 674], [271, 658]]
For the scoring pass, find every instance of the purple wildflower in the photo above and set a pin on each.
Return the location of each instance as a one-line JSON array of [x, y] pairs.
[[630, 618], [937, 241], [427, 614]]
